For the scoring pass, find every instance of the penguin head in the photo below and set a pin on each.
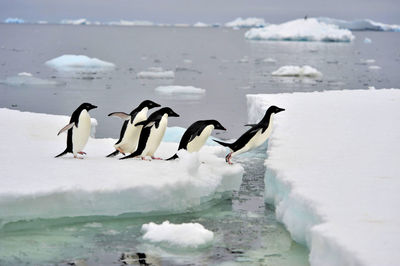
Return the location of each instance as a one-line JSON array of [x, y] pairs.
[[149, 104], [168, 111], [87, 106], [217, 125], [275, 109]]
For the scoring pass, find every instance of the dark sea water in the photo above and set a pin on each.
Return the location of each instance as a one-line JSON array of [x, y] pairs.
[[218, 60]]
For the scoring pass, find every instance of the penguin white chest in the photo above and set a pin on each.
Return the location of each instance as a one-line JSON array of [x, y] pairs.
[[80, 134], [131, 136], [198, 141], [156, 135]]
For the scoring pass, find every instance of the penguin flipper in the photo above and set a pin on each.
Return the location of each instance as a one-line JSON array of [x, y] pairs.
[[175, 156], [67, 127], [121, 115], [114, 153], [250, 125], [223, 143]]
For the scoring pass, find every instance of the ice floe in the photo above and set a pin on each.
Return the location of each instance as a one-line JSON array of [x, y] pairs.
[[156, 73], [131, 23], [201, 25], [360, 24], [35, 184], [80, 21], [367, 40], [186, 235], [173, 90], [297, 71], [374, 67], [79, 63], [27, 79], [14, 21], [246, 23], [333, 172], [301, 30]]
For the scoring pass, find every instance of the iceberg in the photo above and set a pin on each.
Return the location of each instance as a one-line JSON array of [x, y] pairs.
[[156, 73], [27, 79], [37, 185], [131, 23], [246, 23], [173, 90], [81, 21], [201, 25], [297, 71], [301, 30], [332, 172], [360, 24], [186, 235], [79, 63], [14, 21]]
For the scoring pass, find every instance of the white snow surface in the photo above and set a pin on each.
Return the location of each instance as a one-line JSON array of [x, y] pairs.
[[35, 184], [297, 71], [333, 172], [179, 90], [301, 30], [360, 24], [70, 62], [246, 23], [185, 235], [156, 73]]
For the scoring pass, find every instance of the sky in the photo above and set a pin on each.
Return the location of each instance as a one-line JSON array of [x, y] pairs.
[[192, 11]]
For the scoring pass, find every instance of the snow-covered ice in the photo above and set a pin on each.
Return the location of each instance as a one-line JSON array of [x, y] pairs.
[[14, 21], [297, 71], [360, 24], [246, 23], [35, 184], [186, 235], [333, 172], [173, 90], [156, 73], [27, 79], [301, 30], [69, 62]]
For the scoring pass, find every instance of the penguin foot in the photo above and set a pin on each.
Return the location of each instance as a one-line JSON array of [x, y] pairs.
[[156, 158], [82, 153], [228, 158], [76, 157], [144, 159]]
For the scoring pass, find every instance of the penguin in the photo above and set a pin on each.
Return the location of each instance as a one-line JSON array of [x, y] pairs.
[[130, 133], [152, 133], [78, 130], [196, 135], [254, 137]]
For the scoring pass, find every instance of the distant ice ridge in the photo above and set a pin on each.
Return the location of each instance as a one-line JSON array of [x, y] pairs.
[[301, 30], [156, 73], [79, 63], [131, 23], [37, 184], [297, 71], [186, 235], [246, 23], [80, 21], [14, 21], [27, 79], [333, 172], [179, 90], [201, 25], [360, 24]]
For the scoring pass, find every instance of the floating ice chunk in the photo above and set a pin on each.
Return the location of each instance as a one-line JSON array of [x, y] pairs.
[[269, 60], [81, 21], [156, 73], [186, 235], [297, 71], [179, 90], [42, 22], [332, 172], [14, 21], [301, 30], [361, 24], [200, 25], [367, 40], [27, 79], [131, 23], [374, 67], [367, 61], [98, 185], [79, 63], [246, 23]]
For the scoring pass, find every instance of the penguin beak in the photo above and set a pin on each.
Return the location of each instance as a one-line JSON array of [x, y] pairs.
[[280, 110], [155, 105], [174, 114], [94, 106], [220, 127]]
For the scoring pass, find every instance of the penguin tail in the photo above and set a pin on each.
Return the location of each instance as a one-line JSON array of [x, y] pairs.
[[173, 157], [132, 155], [114, 153], [63, 153], [223, 143]]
